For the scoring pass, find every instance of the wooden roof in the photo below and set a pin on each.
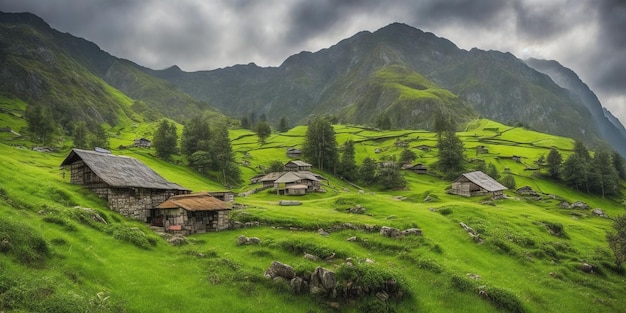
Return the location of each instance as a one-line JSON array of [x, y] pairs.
[[483, 180], [200, 201], [120, 171], [299, 163], [291, 177]]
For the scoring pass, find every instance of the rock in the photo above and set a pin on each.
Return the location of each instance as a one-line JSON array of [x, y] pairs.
[[412, 231], [330, 258], [382, 296], [349, 226], [579, 205], [278, 269], [473, 276], [289, 203], [356, 210], [587, 268], [390, 232], [599, 212], [564, 205], [5, 245], [177, 240], [369, 261], [428, 199], [361, 192], [323, 281], [310, 257], [488, 202], [353, 239], [237, 224], [299, 285], [242, 240], [322, 232], [254, 240], [527, 191]]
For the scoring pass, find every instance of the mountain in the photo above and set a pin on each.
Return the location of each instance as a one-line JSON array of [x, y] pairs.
[[345, 80], [75, 80], [610, 128]]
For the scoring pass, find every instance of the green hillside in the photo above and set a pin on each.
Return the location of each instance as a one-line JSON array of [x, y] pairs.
[[57, 256]]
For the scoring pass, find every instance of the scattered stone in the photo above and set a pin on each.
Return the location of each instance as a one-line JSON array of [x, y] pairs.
[[349, 226], [412, 231], [177, 240], [357, 209], [42, 149], [382, 296], [488, 202], [429, 199], [322, 232], [579, 205], [361, 192], [323, 281], [390, 232], [587, 268], [243, 240], [94, 214], [433, 209], [299, 285], [527, 191], [237, 225], [369, 261], [599, 212], [310, 257], [474, 234], [352, 239], [330, 258], [289, 203], [278, 269], [564, 205]]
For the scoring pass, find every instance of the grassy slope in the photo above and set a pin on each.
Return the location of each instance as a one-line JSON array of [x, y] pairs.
[[518, 254]]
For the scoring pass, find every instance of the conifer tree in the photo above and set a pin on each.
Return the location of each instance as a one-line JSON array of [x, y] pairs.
[[40, 123], [554, 161], [617, 240], [283, 125], [618, 164], [196, 136], [320, 145], [99, 138], [450, 148], [263, 130], [224, 159], [407, 156], [347, 164], [165, 139], [80, 134], [367, 171]]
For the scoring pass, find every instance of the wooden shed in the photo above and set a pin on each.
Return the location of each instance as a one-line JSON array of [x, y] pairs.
[[192, 213], [142, 143], [129, 186], [297, 183], [476, 184], [292, 166], [294, 152], [418, 168]]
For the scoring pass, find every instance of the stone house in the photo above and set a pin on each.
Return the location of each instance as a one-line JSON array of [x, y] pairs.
[[142, 143], [192, 213], [128, 185], [477, 184], [292, 166], [294, 152], [297, 183], [225, 195]]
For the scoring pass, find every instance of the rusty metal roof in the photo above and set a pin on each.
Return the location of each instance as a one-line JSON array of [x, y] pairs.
[[120, 171], [201, 201]]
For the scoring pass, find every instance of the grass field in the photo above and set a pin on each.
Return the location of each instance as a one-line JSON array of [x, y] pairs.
[[54, 258]]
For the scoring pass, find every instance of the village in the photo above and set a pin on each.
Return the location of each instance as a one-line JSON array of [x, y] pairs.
[[134, 190]]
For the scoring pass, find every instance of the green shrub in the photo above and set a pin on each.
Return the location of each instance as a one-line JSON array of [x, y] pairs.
[[23, 242], [445, 211], [555, 229], [131, 235], [462, 283]]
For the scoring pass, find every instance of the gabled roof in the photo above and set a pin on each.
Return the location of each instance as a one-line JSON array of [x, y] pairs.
[[200, 201], [120, 171], [483, 180], [291, 177], [271, 176], [299, 163]]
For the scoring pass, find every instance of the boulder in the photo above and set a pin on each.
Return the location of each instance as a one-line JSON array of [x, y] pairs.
[[599, 212], [242, 240], [177, 240], [254, 240], [310, 257], [353, 239], [323, 281], [357, 209], [390, 232], [289, 203], [412, 231], [564, 205], [278, 269], [587, 268], [322, 232], [527, 191], [299, 285], [579, 205]]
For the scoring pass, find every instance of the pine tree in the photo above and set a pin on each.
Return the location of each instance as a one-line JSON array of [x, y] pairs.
[[320, 145], [165, 139], [263, 130], [617, 240], [99, 138], [574, 173], [347, 164], [40, 123], [245, 123], [80, 134], [196, 136], [224, 159], [607, 179], [450, 152], [283, 125], [554, 161], [508, 181], [390, 177], [367, 172], [492, 171], [618, 164]]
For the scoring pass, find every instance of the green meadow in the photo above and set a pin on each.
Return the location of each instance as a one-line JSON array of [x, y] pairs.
[[55, 257]]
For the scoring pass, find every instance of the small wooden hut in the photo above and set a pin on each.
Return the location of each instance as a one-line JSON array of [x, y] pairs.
[[476, 184], [294, 152], [192, 213], [129, 186], [293, 166]]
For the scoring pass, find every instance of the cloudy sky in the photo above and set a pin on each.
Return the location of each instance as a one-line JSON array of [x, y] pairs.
[[588, 36]]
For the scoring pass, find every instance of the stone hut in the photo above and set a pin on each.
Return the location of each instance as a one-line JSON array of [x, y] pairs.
[[142, 143], [477, 184], [294, 152], [192, 213], [292, 166], [129, 186]]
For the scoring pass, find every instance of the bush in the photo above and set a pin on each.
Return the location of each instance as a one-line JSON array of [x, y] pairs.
[[555, 229], [445, 211], [22, 242], [131, 235]]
